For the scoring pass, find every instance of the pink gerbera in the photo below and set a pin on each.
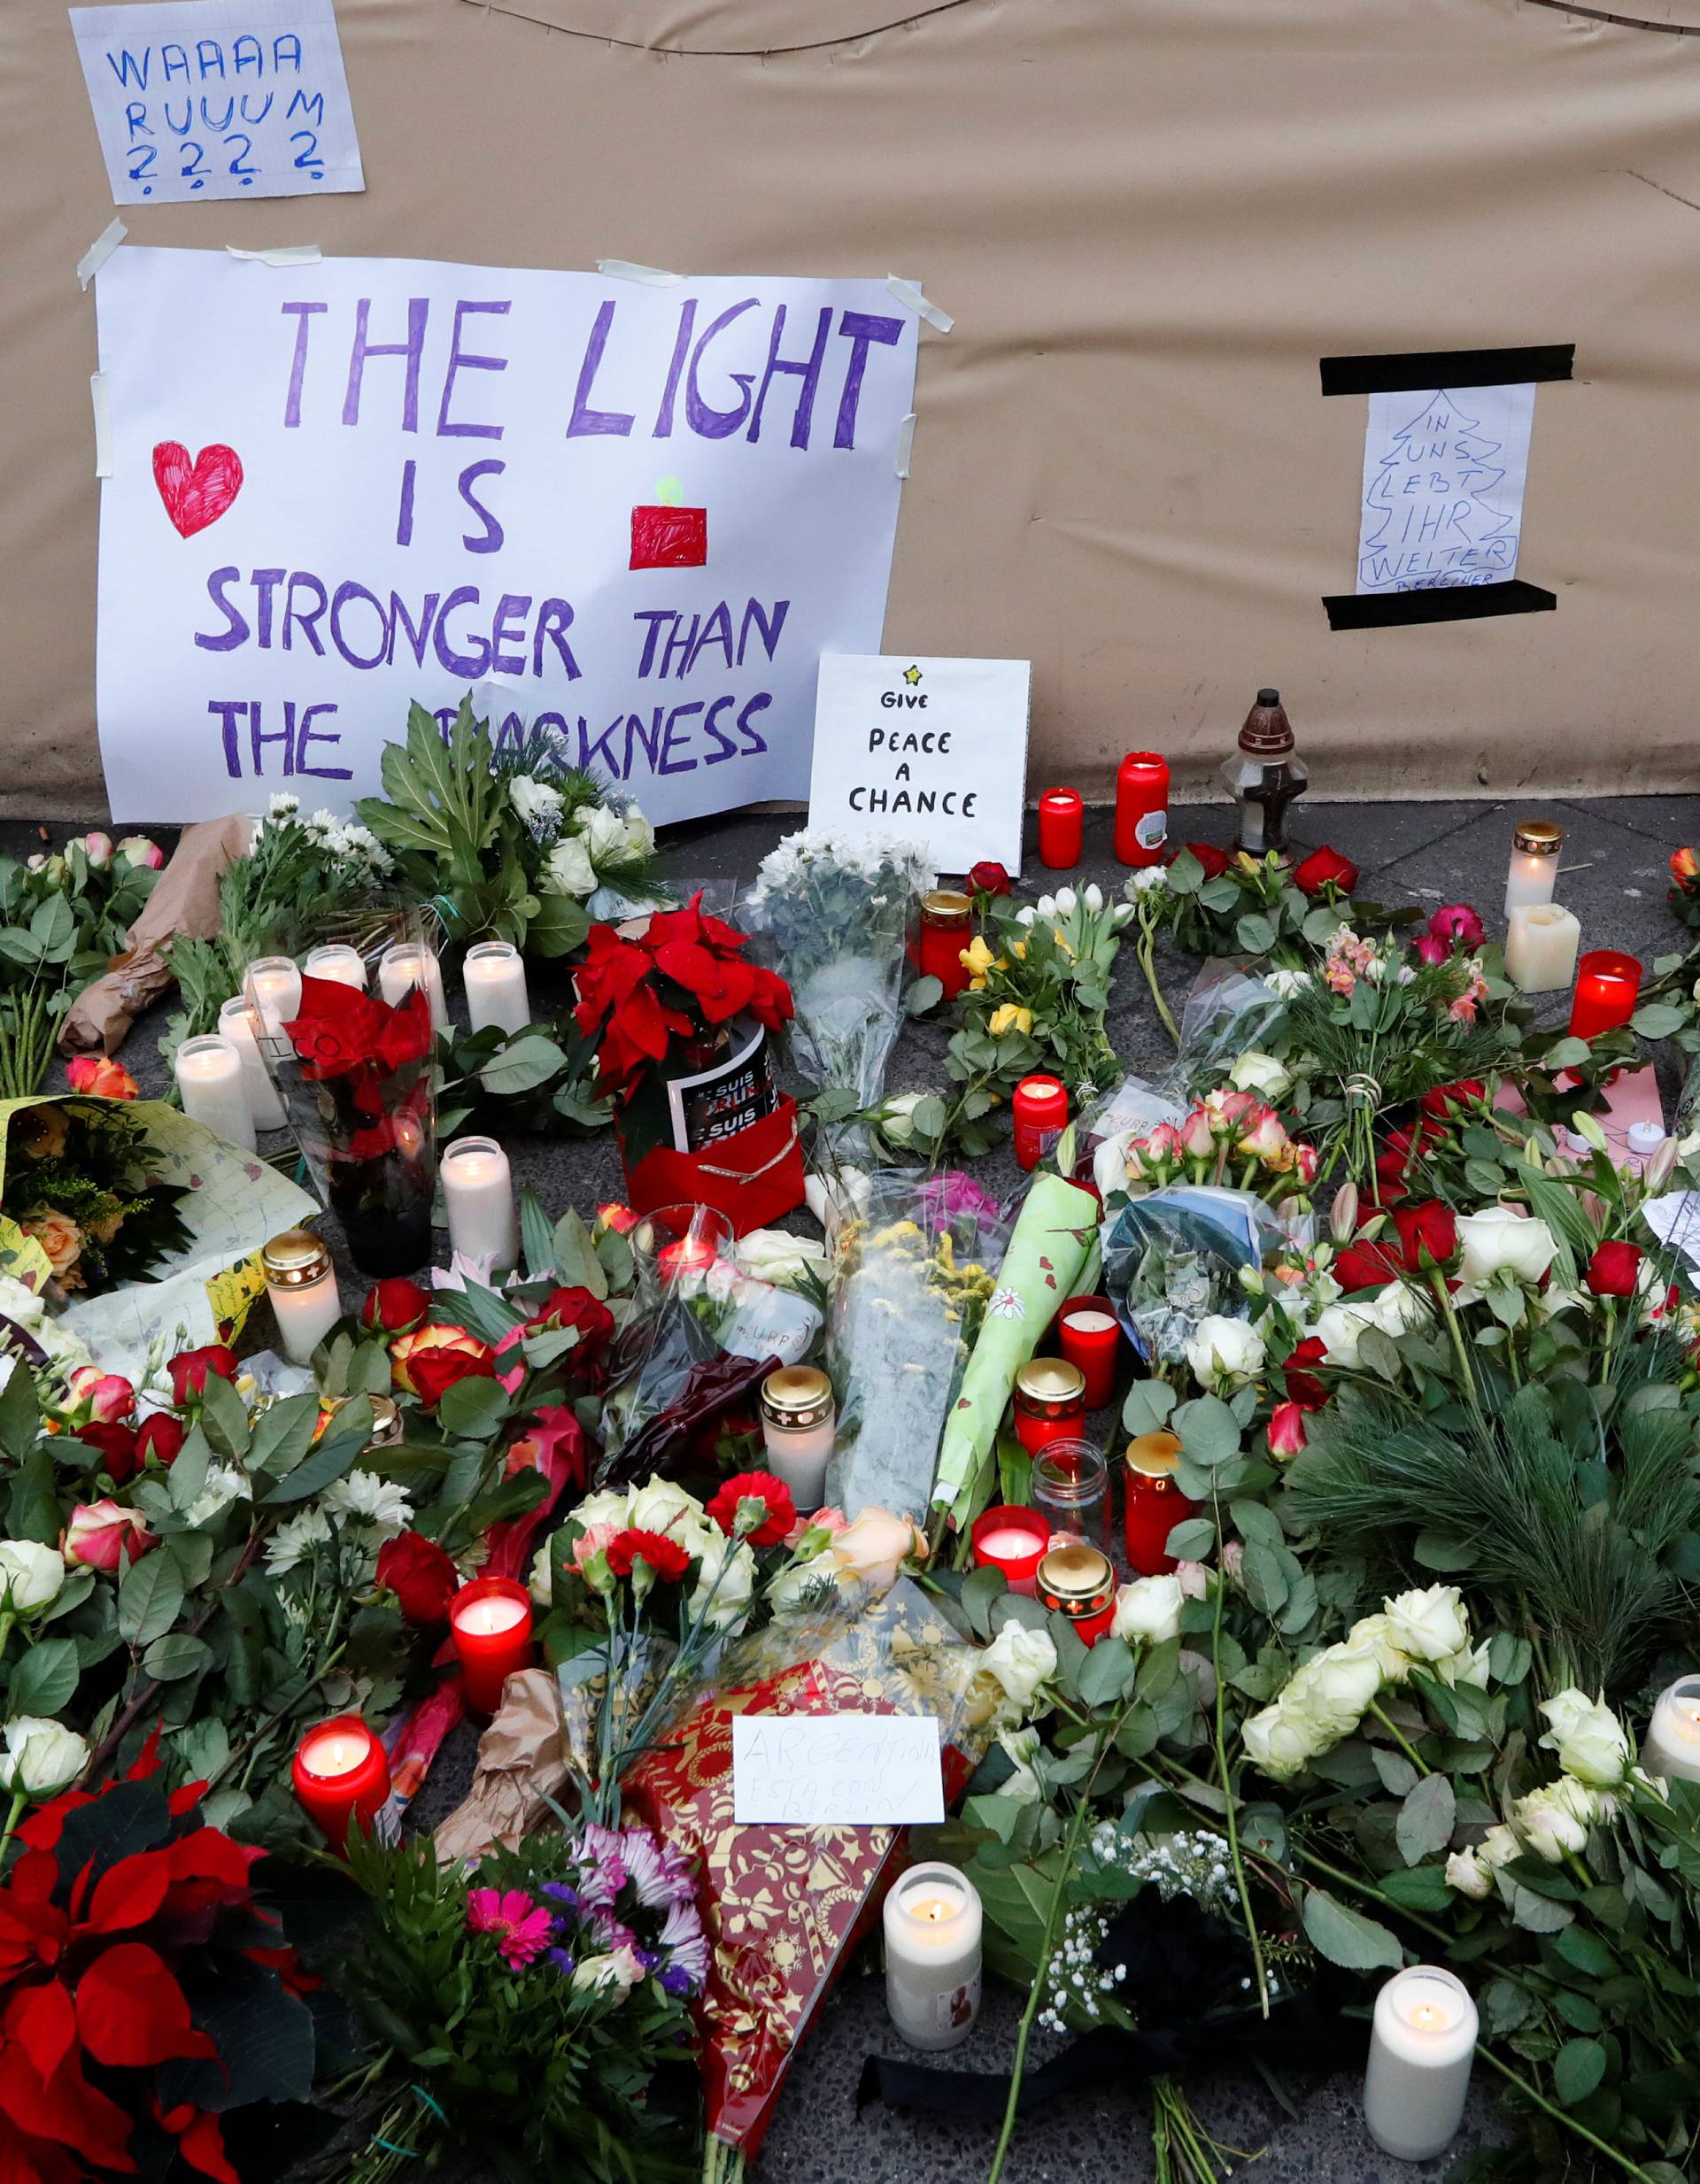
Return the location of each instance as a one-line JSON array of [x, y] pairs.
[[521, 1928]]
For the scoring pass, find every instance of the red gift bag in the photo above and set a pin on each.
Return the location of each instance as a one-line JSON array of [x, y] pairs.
[[753, 1177]]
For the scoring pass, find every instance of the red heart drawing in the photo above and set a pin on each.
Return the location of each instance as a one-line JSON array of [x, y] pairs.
[[195, 493]]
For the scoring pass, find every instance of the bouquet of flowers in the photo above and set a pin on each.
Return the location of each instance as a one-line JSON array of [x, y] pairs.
[[1229, 1136], [561, 1973], [508, 845], [84, 1185], [62, 917], [832, 918]]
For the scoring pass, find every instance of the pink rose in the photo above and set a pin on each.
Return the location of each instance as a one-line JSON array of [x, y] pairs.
[[98, 849], [103, 1397], [1287, 1434], [137, 849], [104, 1534], [1430, 949]]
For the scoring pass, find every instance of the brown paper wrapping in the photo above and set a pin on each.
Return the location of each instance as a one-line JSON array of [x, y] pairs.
[[522, 1760], [185, 902]]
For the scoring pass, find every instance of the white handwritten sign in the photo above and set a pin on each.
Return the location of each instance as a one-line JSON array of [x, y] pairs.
[[198, 99], [837, 1770], [932, 750], [1443, 475], [342, 486]]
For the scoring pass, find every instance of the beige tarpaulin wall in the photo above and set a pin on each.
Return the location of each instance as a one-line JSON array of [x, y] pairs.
[[1150, 219]]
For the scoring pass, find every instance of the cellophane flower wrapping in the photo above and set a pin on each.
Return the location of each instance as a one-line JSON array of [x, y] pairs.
[[1227, 1012], [911, 1279], [833, 917], [783, 1907], [1173, 1257]]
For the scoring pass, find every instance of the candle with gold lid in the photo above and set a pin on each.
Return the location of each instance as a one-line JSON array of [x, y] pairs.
[[1535, 844], [1078, 1581], [799, 1424], [302, 1286], [1049, 1402]]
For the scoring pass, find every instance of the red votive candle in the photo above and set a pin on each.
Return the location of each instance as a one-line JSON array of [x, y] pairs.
[[1049, 1403], [1141, 807], [946, 928], [1153, 1505], [1076, 1580], [1061, 828], [1089, 1336], [490, 1621], [1607, 982], [1040, 1107], [340, 1773], [1014, 1540]]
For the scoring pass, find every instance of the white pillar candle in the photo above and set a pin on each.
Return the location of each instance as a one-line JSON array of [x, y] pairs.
[[236, 1024], [496, 993], [1535, 844], [410, 963], [798, 1426], [1421, 2047], [302, 1286], [478, 1192], [342, 964], [933, 1956], [1540, 948], [214, 1089], [274, 985], [1672, 1745]]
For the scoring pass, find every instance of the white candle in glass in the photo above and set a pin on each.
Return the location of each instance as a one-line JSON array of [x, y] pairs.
[[215, 1089], [410, 963], [339, 962], [798, 1426], [1535, 844], [274, 983], [1421, 2047], [496, 992], [1541, 947], [302, 1286], [1672, 1745], [933, 1923], [478, 1193], [236, 1024]]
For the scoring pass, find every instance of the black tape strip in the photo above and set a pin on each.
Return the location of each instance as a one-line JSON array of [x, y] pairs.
[[1446, 367], [1409, 610]]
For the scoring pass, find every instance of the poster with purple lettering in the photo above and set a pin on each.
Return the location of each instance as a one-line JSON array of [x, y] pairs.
[[640, 513]]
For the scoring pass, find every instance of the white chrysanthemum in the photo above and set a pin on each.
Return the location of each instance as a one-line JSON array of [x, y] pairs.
[[373, 1501], [294, 1540], [223, 1484]]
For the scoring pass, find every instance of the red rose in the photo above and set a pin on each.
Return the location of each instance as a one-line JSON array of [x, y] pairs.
[[421, 1576], [160, 1438], [1427, 1228], [190, 1370], [1303, 1384], [100, 1076], [665, 1557], [578, 1310], [989, 878], [1366, 1266], [395, 1306], [1286, 1433], [429, 1361], [1325, 868], [1445, 1101], [1614, 1270], [1215, 861], [1457, 925], [115, 1442], [437, 1371], [755, 1506]]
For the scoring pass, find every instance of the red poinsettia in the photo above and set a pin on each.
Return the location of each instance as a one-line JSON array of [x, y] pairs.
[[133, 1943], [338, 1029]]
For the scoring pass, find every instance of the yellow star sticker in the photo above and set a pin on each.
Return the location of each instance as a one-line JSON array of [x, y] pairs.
[[911, 674]]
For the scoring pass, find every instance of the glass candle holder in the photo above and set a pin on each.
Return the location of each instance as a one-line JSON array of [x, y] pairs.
[[273, 985], [1062, 829], [945, 928], [1535, 844], [933, 1923], [1607, 983], [339, 1773], [1049, 1402], [1013, 1540], [343, 966], [1422, 2044], [1040, 1111], [494, 975], [236, 1024], [478, 1197], [798, 1423], [1141, 807], [675, 1242], [490, 1623], [1154, 1504], [1673, 1745], [409, 964], [1089, 1335], [1069, 1484], [213, 1088], [1078, 1581], [302, 1286]]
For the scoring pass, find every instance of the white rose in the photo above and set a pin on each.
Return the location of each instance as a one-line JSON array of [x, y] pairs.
[[660, 1505], [224, 1485], [619, 1972], [799, 1584], [1430, 1623], [640, 835], [1342, 1327], [1553, 1821], [1148, 1608], [1286, 982], [538, 806], [1500, 1241], [541, 1583], [1225, 1349], [771, 1255], [1465, 1872], [1193, 1580], [1278, 1744], [1375, 1632], [1499, 1846], [1586, 1735], [1335, 1687], [1465, 1667], [605, 1507], [1021, 1661], [896, 1115], [1261, 1074], [603, 833], [41, 1758], [1022, 1745], [30, 1576], [569, 870], [729, 1575], [1397, 1308]]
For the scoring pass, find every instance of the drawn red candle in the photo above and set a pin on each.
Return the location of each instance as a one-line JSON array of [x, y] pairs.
[[1153, 1505], [1040, 1107], [340, 1773], [1014, 1540], [490, 1621], [1141, 807], [945, 928], [1061, 825], [665, 534], [1089, 1336], [1607, 982]]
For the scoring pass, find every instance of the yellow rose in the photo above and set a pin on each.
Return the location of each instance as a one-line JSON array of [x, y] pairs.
[[978, 959], [1009, 1018]]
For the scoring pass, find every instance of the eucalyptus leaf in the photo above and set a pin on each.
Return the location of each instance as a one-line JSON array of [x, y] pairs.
[[1345, 1937], [1426, 1819]]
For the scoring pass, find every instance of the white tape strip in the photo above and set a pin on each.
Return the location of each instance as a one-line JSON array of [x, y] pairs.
[[103, 402], [651, 276], [280, 254], [98, 251], [909, 293], [905, 442]]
